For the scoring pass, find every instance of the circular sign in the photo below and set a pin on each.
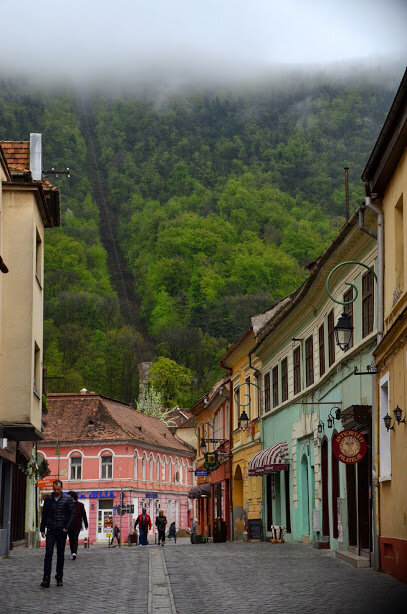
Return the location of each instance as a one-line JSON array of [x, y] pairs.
[[349, 446]]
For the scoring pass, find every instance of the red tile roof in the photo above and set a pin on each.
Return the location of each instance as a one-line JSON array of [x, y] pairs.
[[17, 154], [91, 417]]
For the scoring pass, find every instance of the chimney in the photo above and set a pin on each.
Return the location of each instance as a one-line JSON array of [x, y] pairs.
[[36, 155]]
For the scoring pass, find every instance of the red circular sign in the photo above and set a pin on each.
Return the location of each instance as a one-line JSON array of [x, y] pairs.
[[349, 446]]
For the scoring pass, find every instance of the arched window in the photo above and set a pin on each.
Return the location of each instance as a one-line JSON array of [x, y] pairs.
[[143, 468], [170, 472], [135, 470], [106, 465], [157, 470], [151, 466], [75, 465]]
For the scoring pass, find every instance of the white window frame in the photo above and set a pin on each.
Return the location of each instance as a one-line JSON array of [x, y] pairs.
[[384, 434], [106, 466], [75, 465]]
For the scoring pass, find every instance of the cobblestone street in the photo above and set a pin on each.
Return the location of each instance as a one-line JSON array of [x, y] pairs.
[[238, 578]]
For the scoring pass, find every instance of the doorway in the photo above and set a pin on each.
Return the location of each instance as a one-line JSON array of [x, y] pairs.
[[305, 496], [357, 490], [325, 490], [105, 519]]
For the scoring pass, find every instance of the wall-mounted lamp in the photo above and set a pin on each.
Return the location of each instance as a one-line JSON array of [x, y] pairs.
[[343, 332], [243, 421], [203, 446], [387, 422], [321, 427], [397, 414], [332, 417]]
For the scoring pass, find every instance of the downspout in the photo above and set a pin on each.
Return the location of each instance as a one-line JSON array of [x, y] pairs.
[[229, 369], [380, 328]]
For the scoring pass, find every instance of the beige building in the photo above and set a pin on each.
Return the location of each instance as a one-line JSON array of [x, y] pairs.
[[28, 205], [385, 177]]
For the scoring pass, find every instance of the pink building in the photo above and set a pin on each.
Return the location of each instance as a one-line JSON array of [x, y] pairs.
[[108, 453]]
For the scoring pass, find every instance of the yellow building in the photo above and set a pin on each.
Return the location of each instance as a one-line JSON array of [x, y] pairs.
[[28, 205], [385, 177], [246, 396]]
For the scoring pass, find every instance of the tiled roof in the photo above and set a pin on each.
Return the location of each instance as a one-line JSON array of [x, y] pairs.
[[17, 154], [91, 417]]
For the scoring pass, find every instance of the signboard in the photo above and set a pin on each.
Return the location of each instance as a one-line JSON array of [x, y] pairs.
[[97, 494], [349, 446], [254, 528], [151, 495], [201, 472], [46, 483], [212, 461]]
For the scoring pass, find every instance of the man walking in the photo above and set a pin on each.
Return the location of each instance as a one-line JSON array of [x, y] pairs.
[[144, 522], [161, 523], [57, 515], [76, 526]]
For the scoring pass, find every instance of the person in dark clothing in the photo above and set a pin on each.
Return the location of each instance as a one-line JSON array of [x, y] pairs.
[[116, 535], [161, 523], [57, 516], [144, 522], [172, 532], [76, 526]]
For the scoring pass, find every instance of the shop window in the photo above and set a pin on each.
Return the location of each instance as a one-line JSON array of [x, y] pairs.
[[297, 369], [267, 392], [76, 467], [367, 303], [284, 379], [275, 385], [348, 309], [331, 338], [321, 346], [106, 467], [309, 361]]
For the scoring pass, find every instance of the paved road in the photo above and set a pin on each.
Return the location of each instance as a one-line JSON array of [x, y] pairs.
[[200, 579]]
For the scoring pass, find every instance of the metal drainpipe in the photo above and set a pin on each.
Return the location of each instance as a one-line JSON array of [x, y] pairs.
[[231, 529], [380, 329]]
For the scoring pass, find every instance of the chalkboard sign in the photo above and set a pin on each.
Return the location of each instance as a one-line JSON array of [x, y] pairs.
[[254, 528]]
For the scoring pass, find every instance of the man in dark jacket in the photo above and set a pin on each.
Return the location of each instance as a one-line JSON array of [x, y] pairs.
[[161, 523], [57, 515], [76, 526]]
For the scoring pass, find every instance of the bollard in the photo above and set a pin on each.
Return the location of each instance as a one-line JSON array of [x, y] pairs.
[[85, 543]]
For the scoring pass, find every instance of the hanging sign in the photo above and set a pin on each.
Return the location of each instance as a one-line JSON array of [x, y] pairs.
[[212, 461], [349, 446]]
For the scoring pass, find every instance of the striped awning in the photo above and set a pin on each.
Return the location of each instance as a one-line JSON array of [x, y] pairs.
[[270, 459]]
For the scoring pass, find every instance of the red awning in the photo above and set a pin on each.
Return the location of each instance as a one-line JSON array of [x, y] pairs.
[[270, 459]]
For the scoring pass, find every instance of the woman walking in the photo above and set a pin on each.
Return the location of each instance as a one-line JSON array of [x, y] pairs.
[[161, 523]]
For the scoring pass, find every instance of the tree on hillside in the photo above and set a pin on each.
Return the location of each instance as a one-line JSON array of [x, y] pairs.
[[150, 403], [172, 380]]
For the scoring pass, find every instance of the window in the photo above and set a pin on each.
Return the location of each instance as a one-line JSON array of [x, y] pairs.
[[275, 386], [309, 361], [170, 472], [399, 244], [321, 344], [76, 467], [38, 258], [348, 309], [267, 392], [151, 466], [238, 400], [163, 472], [143, 468], [367, 304], [284, 379], [297, 369], [384, 434], [157, 471], [257, 408], [106, 466], [135, 471], [331, 338], [37, 371]]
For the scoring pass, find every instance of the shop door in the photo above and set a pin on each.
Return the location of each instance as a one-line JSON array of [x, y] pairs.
[[105, 519]]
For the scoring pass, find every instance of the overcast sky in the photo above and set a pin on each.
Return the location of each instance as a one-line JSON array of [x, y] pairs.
[[84, 39]]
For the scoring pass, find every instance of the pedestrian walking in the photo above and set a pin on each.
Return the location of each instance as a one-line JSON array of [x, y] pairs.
[[144, 523], [172, 533], [76, 526], [161, 523], [116, 535], [57, 516]]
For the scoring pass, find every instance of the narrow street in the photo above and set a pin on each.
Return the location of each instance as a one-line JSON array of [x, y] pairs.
[[207, 579]]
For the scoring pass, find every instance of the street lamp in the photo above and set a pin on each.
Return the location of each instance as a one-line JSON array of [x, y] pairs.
[[243, 421], [387, 422], [343, 332], [397, 414]]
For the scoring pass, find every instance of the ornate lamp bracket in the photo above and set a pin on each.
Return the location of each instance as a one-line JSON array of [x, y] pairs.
[[247, 395], [348, 283]]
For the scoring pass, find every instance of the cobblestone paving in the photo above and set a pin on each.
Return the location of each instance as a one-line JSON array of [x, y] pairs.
[[263, 578], [256, 578]]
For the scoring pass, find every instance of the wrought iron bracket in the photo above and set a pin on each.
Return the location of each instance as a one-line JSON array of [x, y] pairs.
[[348, 283]]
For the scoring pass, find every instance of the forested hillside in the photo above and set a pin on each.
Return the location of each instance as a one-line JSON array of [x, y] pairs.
[[217, 202]]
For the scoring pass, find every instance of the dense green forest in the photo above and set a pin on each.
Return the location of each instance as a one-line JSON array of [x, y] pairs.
[[216, 202]]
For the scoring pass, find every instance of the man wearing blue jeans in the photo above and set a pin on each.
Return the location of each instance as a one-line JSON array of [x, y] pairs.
[[144, 522], [57, 516]]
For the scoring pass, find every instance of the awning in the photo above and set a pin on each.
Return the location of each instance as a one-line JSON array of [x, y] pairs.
[[269, 460], [203, 490]]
